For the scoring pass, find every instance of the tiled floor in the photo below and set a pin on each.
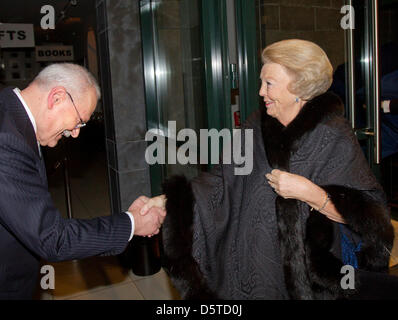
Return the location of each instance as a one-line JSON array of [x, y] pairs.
[[103, 278], [394, 251], [95, 278], [100, 278]]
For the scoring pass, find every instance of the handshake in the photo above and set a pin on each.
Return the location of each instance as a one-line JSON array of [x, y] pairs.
[[149, 214]]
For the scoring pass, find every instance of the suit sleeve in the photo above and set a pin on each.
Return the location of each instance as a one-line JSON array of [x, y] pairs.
[[27, 211]]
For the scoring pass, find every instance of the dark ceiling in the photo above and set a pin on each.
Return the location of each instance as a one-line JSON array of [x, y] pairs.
[[71, 20], [28, 11]]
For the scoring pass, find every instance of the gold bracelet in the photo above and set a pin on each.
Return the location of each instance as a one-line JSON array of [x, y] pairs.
[[324, 204]]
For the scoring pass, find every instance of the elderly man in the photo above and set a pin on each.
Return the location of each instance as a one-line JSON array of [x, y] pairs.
[[58, 102]]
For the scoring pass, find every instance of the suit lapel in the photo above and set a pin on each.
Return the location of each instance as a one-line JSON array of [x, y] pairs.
[[21, 118]]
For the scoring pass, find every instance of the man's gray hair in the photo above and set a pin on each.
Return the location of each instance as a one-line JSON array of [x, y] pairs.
[[75, 78]]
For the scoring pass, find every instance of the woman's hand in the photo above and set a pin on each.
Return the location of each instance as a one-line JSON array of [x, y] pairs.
[[293, 186], [288, 185], [159, 201]]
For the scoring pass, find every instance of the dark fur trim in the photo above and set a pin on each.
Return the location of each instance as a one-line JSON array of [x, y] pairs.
[[376, 230], [324, 267], [292, 246], [281, 141], [177, 241]]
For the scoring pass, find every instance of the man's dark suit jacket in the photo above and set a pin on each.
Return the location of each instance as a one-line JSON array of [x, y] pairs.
[[30, 226]]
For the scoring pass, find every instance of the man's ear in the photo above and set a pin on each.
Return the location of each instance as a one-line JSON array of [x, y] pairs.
[[56, 96]]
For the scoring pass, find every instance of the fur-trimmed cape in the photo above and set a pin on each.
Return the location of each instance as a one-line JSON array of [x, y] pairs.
[[233, 237]]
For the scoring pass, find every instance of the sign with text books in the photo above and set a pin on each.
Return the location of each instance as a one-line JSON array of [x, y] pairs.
[[54, 53]]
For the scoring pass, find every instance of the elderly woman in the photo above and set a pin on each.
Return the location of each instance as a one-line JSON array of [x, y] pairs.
[[310, 205]]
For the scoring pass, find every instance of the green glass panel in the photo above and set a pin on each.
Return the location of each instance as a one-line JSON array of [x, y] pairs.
[[174, 77]]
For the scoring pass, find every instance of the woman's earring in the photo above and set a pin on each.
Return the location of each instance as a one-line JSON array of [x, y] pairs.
[[297, 99]]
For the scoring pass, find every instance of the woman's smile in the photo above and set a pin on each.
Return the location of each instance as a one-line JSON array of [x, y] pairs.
[[268, 103]]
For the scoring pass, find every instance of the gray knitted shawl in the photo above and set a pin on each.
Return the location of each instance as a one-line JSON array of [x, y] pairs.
[[232, 237]]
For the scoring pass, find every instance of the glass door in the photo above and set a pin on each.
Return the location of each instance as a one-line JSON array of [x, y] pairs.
[[200, 70], [231, 67], [373, 86], [388, 98], [174, 77]]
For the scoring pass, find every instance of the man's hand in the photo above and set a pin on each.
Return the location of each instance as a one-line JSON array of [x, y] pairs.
[[147, 224]]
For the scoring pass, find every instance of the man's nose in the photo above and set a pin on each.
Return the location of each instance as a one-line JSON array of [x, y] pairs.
[[75, 132]]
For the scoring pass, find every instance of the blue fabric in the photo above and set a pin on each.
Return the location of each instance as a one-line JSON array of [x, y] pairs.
[[348, 250], [389, 134], [389, 122], [389, 86]]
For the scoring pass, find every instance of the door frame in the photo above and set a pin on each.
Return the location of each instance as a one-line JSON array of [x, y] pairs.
[[217, 67], [248, 56]]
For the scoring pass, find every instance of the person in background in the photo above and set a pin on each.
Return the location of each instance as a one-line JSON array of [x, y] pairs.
[[389, 116], [388, 92], [57, 103]]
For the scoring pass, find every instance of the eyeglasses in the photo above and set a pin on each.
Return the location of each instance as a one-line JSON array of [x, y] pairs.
[[81, 124]]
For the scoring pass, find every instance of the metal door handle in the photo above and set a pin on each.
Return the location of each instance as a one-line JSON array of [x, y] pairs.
[[350, 89], [376, 81]]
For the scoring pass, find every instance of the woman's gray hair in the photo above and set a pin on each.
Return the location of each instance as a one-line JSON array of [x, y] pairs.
[[306, 62], [75, 78]]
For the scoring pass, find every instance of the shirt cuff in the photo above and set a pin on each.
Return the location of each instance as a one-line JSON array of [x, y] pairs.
[[385, 105], [132, 224]]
